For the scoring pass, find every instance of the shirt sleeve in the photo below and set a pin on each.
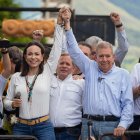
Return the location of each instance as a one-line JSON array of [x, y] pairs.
[[3, 82], [56, 49], [135, 76], [79, 58], [127, 103], [10, 94], [122, 48]]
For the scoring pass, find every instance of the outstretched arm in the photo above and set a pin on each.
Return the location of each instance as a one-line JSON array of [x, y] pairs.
[[75, 52], [57, 45], [123, 44]]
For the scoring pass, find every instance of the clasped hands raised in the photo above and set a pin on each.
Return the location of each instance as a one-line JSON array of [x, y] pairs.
[[64, 17]]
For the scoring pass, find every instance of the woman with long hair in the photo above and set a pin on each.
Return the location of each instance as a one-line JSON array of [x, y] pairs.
[[29, 90]]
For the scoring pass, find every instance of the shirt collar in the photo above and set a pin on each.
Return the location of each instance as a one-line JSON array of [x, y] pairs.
[[69, 77]]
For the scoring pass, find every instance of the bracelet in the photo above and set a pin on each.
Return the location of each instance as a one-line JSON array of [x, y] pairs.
[[119, 25], [67, 29], [5, 51], [66, 21]]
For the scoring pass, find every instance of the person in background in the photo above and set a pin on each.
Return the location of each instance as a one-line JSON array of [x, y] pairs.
[[86, 49], [47, 52], [32, 87], [123, 44], [66, 101], [135, 76], [107, 99], [37, 35], [15, 55], [6, 71], [93, 41]]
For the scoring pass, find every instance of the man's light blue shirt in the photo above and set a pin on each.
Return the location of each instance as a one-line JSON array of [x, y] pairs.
[[105, 93]]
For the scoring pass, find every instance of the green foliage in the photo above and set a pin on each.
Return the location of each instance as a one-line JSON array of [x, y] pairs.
[[11, 15], [131, 58], [8, 15], [20, 39], [133, 36]]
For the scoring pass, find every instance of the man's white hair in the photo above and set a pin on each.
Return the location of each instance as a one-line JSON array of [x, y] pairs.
[[93, 40]]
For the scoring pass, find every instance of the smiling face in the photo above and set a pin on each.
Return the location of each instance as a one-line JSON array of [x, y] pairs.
[[105, 57], [33, 56], [64, 67]]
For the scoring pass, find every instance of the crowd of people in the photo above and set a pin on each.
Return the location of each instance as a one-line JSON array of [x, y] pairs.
[[55, 96]]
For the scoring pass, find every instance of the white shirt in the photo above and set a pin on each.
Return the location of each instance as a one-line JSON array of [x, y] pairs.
[[3, 82], [135, 76], [66, 102], [39, 105]]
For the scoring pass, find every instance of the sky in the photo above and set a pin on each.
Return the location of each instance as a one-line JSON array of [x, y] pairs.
[[30, 3]]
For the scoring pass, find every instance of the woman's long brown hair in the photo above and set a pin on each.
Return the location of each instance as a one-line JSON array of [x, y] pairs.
[[25, 66]]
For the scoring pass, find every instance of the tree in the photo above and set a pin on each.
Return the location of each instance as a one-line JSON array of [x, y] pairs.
[[7, 14], [10, 15]]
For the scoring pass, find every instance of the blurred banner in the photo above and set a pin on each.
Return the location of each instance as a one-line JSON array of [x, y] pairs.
[[20, 28]]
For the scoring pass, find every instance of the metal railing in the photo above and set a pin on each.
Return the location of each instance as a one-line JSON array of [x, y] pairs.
[[127, 133], [17, 137]]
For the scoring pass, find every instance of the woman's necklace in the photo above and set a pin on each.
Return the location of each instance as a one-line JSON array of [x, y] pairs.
[[30, 86]]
